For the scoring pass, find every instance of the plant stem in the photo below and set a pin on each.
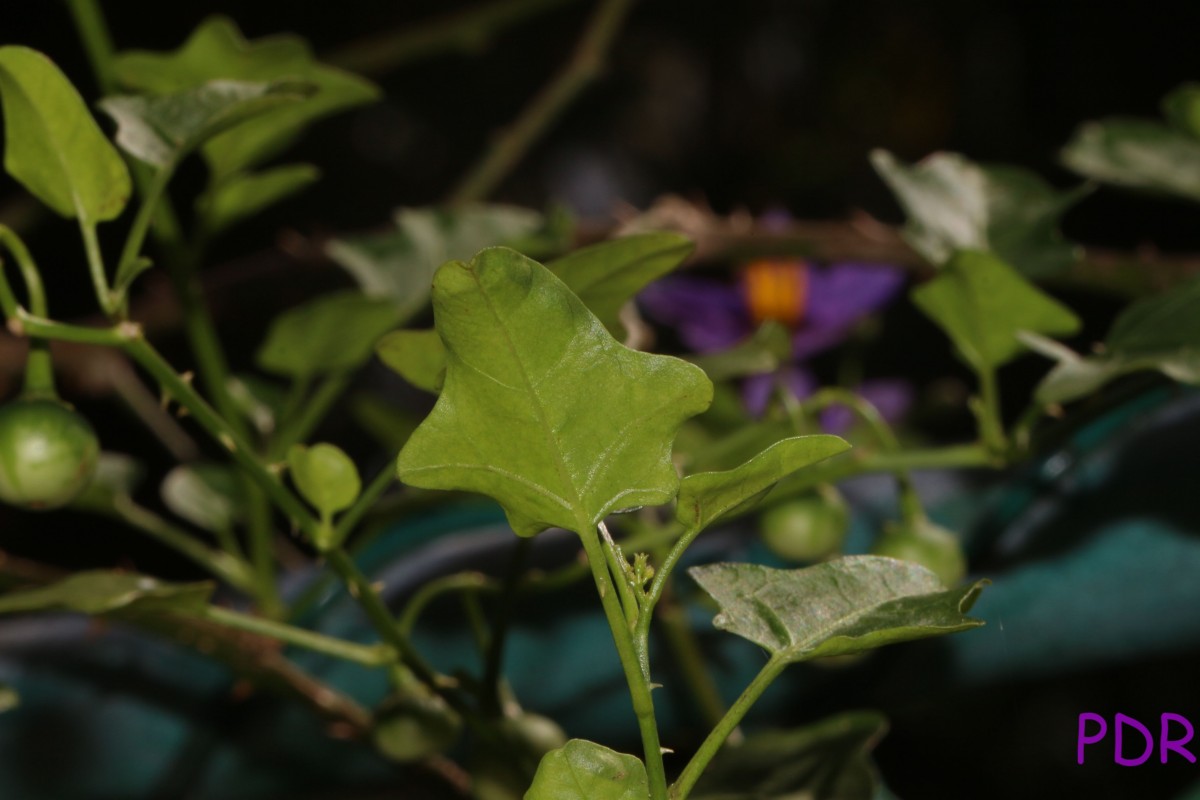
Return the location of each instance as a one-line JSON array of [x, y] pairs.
[[639, 683], [585, 66], [617, 566], [987, 411], [298, 426], [97, 42], [493, 664], [689, 659], [39, 369], [353, 515], [367, 655], [464, 30], [691, 773], [151, 199], [95, 261], [432, 590]]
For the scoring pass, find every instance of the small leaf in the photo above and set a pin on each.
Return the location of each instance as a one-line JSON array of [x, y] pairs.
[[583, 770], [981, 303], [607, 275], [846, 606], [1139, 154], [161, 130], [418, 356], [400, 264], [542, 409], [325, 476], [333, 333], [830, 760], [245, 194], [53, 145], [1158, 333], [207, 495], [218, 51], [1182, 109], [766, 351], [100, 592], [707, 496], [953, 204]]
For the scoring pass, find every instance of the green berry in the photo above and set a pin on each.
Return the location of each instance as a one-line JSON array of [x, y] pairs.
[[48, 453], [927, 544], [806, 529], [414, 726]]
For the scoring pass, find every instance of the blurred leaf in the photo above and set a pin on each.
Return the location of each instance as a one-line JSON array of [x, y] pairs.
[[1139, 154], [207, 495], [953, 204], [260, 401], [217, 50], [542, 409], [607, 275], [329, 334], [53, 146], [100, 592], [766, 351], [418, 356], [850, 605], [707, 496], [400, 264], [389, 425], [161, 130], [827, 761], [1182, 109], [1157, 333], [9, 699], [325, 476], [116, 474], [248, 193], [582, 770], [981, 303]]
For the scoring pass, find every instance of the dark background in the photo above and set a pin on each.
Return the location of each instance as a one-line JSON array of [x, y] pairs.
[[741, 105]]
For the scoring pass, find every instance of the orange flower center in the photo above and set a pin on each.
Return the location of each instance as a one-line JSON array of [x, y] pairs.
[[776, 290]]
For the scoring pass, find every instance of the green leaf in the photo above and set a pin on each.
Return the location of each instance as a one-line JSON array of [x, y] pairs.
[[418, 356], [1182, 109], [850, 605], [542, 409], [827, 761], [333, 333], [246, 194], [325, 476], [218, 51], [583, 770], [707, 496], [982, 303], [766, 351], [607, 275], [400, 264], [53, 145], [100, 592], [953, 204], [1139, 154], [207, 495], [161, 130], [1158, 333]]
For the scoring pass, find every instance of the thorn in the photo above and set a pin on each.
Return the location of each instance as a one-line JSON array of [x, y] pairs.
[[15, 326], [666, 751], [228, 442], [129, 331]]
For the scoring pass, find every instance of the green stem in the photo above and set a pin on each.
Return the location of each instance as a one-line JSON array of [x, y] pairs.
[[708, 749], [39, 369], [987, 411], [91, 246], [353, 515], [298, 426], [585, 66], [97, 42], [152, 197], [617, 567], [367, 655], [689, 659], [432, 590], [493, 665], [463, 30], [639, 684]]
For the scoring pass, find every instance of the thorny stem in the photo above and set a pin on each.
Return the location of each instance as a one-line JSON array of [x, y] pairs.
[[368, 655], [585, 66]]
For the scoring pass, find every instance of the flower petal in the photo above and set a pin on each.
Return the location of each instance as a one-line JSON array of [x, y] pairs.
[[709, 315]]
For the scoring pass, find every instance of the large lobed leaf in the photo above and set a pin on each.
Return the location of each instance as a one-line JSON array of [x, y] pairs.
[[954, 204], [983, 304], [99, 592], [829, 760], [1158, 333], [542, 409], [840, 607], [217, 50], [1139, 154], [583, 770], [52, 144], [707, 496]]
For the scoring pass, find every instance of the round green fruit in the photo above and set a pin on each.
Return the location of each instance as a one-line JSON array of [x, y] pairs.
[[806, 529], [48, 453], [414, 726], [927, 544]]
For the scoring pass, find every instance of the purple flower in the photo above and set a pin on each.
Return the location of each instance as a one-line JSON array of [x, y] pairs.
[[821, 306]]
